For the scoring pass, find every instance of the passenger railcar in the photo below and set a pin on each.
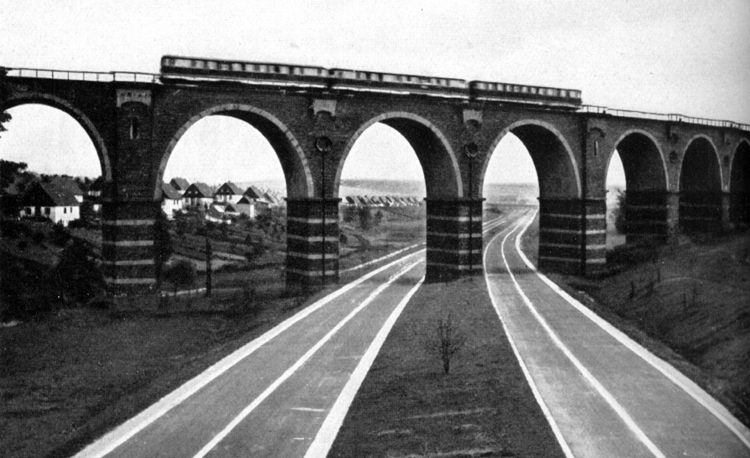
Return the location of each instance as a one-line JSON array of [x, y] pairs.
[[264, 73], [358, 80], [503, 92], [272, 74]]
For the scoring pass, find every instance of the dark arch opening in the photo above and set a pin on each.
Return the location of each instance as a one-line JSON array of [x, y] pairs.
[[558, 223], [700, 188], [645, 211], [739, 186]]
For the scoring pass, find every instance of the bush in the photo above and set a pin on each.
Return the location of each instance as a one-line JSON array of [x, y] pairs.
[[22, 245], [38, 237], [78, 274], [447, 340], [60, 236], [181, 274]]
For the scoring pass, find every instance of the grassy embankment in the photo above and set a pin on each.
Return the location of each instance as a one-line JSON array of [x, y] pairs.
[[408, 407], [687, 303]]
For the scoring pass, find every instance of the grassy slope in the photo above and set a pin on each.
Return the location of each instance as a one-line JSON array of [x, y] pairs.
[[690, 306], [407, 406]]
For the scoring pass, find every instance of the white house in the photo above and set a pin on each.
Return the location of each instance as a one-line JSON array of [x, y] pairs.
[[199, 194], [228, 193], [51, 201], [171, 200]]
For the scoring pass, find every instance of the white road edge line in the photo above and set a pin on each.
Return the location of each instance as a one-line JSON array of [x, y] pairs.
[[130, 428], [331, 425], [677, 377], [537, 395], [608, 397], [300, 362]]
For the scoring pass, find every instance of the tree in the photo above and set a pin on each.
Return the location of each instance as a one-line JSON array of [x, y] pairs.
[[447, 340], [78, 274], [365, 218], [620, 212], [162, 244], [181, 274]]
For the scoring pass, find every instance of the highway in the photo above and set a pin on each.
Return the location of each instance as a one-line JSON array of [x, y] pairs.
[[287, 392], [603, 394]]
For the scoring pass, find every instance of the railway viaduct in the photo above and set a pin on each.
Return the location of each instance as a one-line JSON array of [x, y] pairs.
[[682, 174]]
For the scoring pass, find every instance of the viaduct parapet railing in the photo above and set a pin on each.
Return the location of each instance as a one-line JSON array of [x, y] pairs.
[[136, 77], [99, 77], [662, 117]]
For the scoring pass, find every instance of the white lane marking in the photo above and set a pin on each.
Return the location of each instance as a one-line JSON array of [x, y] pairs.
[[389, 255], [677, 377], [289, 372], [621, 412], [537, 395], [331, 425], [307, 409], [130, 428]]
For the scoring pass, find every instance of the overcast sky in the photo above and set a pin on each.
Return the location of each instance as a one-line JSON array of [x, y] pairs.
[[689, 57]]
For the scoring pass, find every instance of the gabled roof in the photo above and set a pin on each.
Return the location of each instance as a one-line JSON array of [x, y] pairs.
[[271, 197], [230, 209], [229, 189], [199, 189], [243, 201], [254, 193], [68, 184], [49, 195], [168, 192], [180, 184]]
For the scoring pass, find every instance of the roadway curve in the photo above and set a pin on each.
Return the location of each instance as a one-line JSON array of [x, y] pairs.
[[603, 394]]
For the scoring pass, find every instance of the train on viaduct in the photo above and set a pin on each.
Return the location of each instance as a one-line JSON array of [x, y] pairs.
[[682, 174]]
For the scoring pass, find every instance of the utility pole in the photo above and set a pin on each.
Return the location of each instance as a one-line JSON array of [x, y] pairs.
[[208, 268]]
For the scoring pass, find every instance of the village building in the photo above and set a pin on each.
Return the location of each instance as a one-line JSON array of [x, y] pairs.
[[69, 184], [171, 200], [246, 206], [215, 215], [198, 195], [228, 193], [180, 185], [51, 201]]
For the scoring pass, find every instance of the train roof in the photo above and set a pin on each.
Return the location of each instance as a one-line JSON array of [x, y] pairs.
[[238, 61], [396, 74], [527, 85]]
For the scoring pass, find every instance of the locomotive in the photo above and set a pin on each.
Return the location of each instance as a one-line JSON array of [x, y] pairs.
[[339, 79]]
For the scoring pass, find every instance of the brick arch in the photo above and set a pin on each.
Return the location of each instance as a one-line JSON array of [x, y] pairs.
[[716, 154], [271, 128], [410, 126], [572, 163], [654, 143], [66, 107]]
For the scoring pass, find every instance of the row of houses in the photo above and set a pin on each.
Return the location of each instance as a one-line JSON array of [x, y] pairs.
[[220, 204], [381, 201]]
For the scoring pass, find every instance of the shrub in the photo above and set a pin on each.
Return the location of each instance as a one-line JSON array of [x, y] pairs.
[[60, 236], [181, 274], [78, 274], [447, 340], [22, 245], [38, 237]]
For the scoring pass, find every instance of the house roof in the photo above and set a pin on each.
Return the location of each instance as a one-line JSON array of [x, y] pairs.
[[244, 200], [230, 209], [273, 198], [229, 189], [253, 192], [180, 184], [199, 189], [68, 184], [169, 192], [49, 195]]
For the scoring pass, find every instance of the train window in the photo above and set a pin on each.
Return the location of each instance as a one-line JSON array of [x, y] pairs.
[[276, 68], [237, 67], [211, 65], [171, 61], [224, 66], [533, 90], [552, 92], [524, 89], [563, 93]]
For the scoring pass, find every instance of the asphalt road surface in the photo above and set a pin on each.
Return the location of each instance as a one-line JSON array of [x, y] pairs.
[[604, 395], [284, 394]]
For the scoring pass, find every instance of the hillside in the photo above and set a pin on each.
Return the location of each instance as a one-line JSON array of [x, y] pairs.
[[688, 303]]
